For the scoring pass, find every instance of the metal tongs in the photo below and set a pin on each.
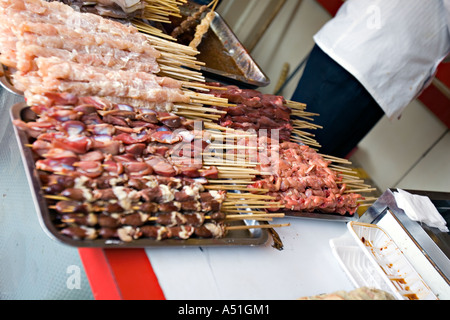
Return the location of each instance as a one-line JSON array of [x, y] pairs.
[[5, 82]]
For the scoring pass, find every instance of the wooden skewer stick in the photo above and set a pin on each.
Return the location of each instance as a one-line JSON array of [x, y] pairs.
[[305, 140], [335, 159], [216, 127], [240, 161], [201, 109], [262, 226], [56, 197], [256, 206], [305, 113], [240, 211], [351, 182], [304, 133], [198, 115], [178, 61], [302, 116], [238, 217], [347, 176], [368, 199], [230, 183], [234, 175], [256, 215], [249, 195], [305, 125], [365, 204], [295, 105], [170, 46], [228, 203], [235, 188], [226, 167], [182, 71], [360, 190], [143, 27], [342, 168], [246, 182], [357, 185], [181, 76], [237, 170], [202, 85]]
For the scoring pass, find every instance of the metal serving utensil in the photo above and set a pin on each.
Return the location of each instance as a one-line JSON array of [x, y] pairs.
[[6, 83]]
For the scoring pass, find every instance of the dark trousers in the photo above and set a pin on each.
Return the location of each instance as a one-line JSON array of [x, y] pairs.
[[347, 112]]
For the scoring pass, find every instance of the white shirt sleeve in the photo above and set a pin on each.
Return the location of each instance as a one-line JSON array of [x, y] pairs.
[[392, 47]]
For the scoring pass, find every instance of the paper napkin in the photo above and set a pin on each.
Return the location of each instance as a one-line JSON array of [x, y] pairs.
[[420, 208]]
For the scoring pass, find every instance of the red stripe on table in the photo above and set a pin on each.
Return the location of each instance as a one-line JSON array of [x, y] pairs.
[[134, 274], [99, 274]]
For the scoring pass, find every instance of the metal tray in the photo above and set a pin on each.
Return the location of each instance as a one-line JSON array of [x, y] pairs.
[[6, 83], [251, 237], [252, 77]]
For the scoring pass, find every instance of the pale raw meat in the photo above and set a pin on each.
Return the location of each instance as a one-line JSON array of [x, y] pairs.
[[58, 13], [57, 49], [55, 75], [28, 53]]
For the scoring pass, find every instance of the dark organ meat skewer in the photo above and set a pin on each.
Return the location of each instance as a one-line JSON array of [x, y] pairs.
[[188, 25], [156, 232], [93, 137], [256, 111], [102, 164], [116, 216]]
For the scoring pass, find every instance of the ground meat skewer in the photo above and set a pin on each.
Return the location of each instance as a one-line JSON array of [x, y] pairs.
[[201, 29], [302, 181]]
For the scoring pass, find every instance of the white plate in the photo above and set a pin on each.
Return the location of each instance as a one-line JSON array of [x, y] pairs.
[[389, 262], [359, 269]]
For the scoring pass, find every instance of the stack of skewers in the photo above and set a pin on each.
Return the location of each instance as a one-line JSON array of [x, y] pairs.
[[111, 172], [126, 138], [291, 169]]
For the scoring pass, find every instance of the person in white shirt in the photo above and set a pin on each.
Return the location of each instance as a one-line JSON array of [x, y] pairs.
[[373, 58]]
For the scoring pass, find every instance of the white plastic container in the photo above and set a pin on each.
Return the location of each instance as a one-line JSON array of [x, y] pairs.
[[371, 258]]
